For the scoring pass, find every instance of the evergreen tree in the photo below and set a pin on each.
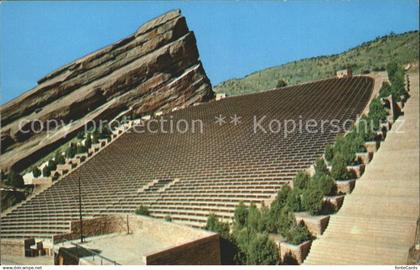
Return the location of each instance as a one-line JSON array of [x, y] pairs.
[[312, 200], [262, 251], [241, 215], [14, 179], [46, 171], [339, 168], [301, 180]]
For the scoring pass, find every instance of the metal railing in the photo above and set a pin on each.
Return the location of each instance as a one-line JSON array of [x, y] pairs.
[[95, 254]]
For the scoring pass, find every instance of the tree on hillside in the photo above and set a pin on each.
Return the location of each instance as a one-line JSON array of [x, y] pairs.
[[254, 217], [71, 150], [241, 214], [46, 171], [59, 158], [214, 225], [36, 172], [142, 210], [15, 180], [88, 141], [281, 83], [262, 251], [301, 180]]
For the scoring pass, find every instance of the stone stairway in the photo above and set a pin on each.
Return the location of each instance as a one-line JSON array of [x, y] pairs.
[[377, 223]]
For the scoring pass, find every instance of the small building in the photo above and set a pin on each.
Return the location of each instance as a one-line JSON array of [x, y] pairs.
[[344, 73]]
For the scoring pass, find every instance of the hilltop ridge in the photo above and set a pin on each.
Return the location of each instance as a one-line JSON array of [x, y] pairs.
[[368, 56]]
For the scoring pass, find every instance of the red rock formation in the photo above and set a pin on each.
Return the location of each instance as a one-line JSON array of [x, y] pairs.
[[156, 68]]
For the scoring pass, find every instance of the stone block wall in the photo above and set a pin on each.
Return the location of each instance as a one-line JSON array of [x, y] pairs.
[[205, 251], [12, 247], [91, 227]]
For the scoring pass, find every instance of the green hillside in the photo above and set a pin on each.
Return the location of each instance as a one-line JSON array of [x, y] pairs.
[[369, 56]]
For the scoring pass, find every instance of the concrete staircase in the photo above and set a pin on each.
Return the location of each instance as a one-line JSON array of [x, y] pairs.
[[377, 223]]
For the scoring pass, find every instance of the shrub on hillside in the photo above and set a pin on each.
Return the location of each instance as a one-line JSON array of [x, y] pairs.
[[329, 152], [398, 89], [36, 172], [396, 74], [263, 225], [262, 251], [104, 131], [14, 179], [242, 238], [168, 218], [323, 182], [364, 129], [71, 150], [301, 180], [81, 149], [378, 68], [345, 147], [59, 158], [80, 135], [95, 137], [385, 90], [392, 69], [46, 171], [276, 208], [357, 141], [359, 144], [253, 219], [281, 83], [321, 168], [142, 210], [377, 113], [312, 200], [298, 234], [294, 200], [88, 141], [52, 165], [230, 253], [214, 225], [281, 198], [241, 215], [286, 220], [55, 176], [339, 168]]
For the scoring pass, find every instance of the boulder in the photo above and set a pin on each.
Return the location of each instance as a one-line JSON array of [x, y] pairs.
[[155, 69]]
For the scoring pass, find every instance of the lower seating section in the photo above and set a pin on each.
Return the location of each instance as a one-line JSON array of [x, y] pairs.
[[188, 175]]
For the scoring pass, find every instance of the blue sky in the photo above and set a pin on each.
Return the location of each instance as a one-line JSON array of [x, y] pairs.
[[234, 38]]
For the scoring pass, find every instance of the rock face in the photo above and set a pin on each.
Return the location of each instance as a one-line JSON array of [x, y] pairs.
[[155, 69]]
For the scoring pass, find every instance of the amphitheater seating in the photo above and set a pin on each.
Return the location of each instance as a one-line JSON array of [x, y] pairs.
[[214, 170]]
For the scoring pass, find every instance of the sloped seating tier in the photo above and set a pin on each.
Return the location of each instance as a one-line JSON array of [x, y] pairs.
[[215, 170]]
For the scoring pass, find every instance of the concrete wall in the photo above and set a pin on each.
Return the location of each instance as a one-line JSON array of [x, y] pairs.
[[186, 245], [91, 227], [12, 247], [205, 251]]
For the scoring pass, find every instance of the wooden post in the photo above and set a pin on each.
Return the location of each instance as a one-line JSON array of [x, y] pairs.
[[128, 226]]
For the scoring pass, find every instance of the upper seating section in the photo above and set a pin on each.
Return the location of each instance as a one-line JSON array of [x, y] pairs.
[[200, 173]]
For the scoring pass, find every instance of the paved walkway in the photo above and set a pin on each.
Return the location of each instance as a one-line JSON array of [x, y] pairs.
[[377, 222]]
